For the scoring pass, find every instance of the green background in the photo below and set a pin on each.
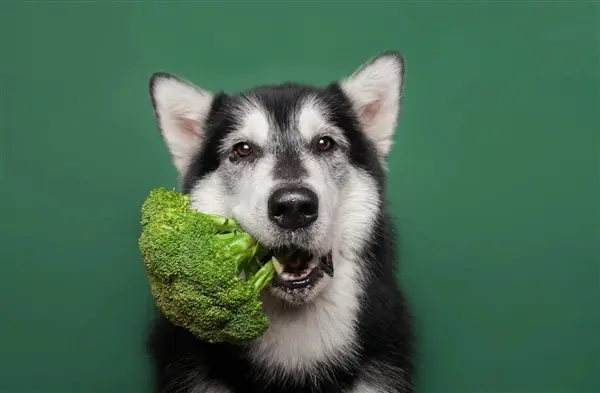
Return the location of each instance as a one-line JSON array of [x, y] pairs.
[[494, 177]]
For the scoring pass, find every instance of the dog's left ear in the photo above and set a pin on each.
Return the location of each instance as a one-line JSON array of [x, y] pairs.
[[375, 90]]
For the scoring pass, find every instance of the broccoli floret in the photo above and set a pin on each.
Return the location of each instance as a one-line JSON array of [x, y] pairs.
[[205, 272]]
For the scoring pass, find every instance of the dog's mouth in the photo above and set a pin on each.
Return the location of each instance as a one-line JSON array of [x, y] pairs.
[[298, 268]]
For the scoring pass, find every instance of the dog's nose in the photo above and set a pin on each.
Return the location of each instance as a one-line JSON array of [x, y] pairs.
[[293, 207]]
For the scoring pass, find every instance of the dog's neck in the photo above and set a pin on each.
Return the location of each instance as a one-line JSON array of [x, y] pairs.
[[303, 338]]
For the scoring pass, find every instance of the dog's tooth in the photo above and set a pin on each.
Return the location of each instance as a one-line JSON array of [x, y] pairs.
[[286, 276], [278, 266]]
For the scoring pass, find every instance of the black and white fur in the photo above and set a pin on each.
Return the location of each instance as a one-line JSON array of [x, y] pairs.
[[347, 332]]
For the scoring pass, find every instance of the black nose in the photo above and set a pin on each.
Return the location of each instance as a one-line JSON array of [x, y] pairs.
[[293, 207]]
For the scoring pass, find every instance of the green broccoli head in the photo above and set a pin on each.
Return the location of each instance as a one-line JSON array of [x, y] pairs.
[[205, 272]]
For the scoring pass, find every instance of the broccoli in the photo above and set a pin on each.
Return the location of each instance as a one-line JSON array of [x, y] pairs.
[[205, 272]]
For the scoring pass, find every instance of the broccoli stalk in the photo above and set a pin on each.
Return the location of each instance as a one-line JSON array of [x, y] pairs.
[[206, 274], [248, 253]]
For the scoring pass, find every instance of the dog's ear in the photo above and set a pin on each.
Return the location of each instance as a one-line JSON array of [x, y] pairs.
[[375, 90], [181, 110]]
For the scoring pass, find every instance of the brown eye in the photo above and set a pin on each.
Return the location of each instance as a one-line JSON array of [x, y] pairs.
[[325, 143], [242, 150]]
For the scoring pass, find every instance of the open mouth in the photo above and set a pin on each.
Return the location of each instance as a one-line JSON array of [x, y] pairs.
[[297, 268]]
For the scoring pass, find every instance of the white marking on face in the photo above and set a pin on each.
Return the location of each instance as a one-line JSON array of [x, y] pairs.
[[312, 122], [327, 192], [250, 199], [357, 213], [254, 126], [209, 196]]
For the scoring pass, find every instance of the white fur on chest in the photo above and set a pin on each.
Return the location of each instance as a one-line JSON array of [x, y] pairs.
[[318, 334]]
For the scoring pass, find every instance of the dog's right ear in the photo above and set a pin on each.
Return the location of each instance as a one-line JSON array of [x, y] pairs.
[[181, 110]]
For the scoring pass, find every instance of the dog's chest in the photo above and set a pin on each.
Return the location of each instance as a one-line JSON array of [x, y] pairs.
[[314, 337]]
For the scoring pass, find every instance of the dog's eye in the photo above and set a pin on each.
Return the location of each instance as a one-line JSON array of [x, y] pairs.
[[325, 143], [242, 150]]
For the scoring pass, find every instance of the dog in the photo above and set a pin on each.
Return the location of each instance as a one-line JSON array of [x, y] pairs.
[[303, 169]]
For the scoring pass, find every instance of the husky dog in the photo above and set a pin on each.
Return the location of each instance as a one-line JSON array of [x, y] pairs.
[[302, 168]]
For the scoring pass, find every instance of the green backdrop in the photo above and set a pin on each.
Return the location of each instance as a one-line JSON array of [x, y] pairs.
[[494, 178]]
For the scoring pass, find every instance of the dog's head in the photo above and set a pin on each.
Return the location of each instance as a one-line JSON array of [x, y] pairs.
[[299, 167]]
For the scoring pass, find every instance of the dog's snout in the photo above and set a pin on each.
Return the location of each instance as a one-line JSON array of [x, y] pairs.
[[293, 207]]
